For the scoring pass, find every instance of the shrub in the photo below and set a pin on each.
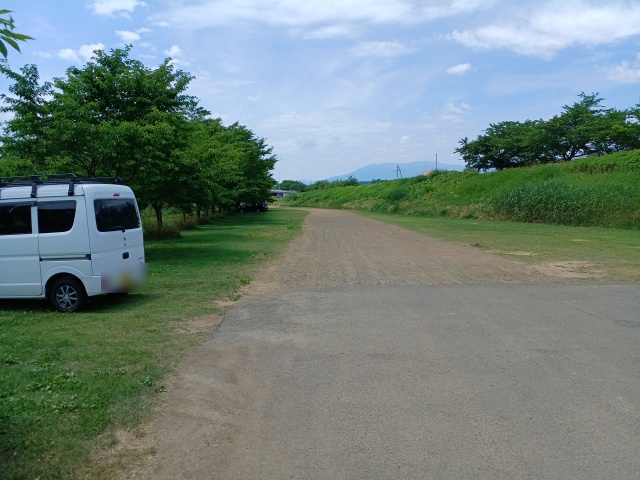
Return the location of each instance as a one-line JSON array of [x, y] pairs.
[[153, 232], [189, 223]]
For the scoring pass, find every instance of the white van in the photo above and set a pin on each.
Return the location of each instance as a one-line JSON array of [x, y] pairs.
[[67, 239]]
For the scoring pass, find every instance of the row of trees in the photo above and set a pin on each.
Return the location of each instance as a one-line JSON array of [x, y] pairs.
[[583, 129], [116, 117], [319, 185]]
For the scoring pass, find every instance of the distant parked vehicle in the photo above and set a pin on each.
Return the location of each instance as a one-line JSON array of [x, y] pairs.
[[68, 239]]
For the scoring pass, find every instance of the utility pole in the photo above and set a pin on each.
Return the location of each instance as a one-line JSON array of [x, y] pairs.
[[436, 162]]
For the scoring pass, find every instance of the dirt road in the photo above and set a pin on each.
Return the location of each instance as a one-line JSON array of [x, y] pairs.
[[369, 351], [340, 248]]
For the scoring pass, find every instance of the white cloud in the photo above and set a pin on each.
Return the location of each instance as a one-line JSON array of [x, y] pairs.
[[128, 37], [46, 55], [112, 7], [85, 52], [626, 72], [454, 112], [295, 13], [332, 31], [459, 69], [543, 29], [380, 49], [68, 54], [174, 51], [404, 139]]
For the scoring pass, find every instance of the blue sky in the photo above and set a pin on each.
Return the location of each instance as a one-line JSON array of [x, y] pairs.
[[336, 85]]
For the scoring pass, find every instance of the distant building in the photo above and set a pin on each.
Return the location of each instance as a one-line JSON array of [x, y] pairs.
[[283, 193], [426, 173]]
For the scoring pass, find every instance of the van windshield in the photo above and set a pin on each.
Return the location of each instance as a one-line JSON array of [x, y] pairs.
[[116, 214]]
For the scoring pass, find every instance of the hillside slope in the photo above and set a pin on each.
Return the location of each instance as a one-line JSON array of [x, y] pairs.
[[598, 191]]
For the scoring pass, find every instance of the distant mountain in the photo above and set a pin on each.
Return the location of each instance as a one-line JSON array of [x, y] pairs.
[[390, 171]]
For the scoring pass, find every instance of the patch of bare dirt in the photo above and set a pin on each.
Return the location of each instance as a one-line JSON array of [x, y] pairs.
[[570, 270], [202, 324], [514, 253]]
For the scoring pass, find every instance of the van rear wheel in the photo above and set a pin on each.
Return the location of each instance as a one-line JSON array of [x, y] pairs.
[[67, 295]]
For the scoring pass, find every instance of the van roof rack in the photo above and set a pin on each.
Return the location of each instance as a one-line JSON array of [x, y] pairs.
[[52, 179]]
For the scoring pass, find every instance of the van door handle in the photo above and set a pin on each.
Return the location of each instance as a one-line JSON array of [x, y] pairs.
[[125, 255]]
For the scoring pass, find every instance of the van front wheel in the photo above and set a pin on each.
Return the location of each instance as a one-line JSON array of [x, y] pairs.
[[67, 295]]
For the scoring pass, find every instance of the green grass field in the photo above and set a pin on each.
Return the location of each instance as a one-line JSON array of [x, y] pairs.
[[70, 381]]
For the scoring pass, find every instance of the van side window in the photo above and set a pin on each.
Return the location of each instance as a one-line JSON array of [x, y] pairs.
[[55, 217], [15, 219], [116, 214]]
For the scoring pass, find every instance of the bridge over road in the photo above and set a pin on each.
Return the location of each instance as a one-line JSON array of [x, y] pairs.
[[368, 351]]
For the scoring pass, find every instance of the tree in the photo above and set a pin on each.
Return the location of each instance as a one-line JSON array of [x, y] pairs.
[[254, 164], [8, 36], [217, 161], [576, 132], [504, 145], [583, 129], [25, 136], [619, 130], [293, 185], [114, 116]]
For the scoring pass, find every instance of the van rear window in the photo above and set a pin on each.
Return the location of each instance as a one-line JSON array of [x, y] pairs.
[[56, 217], [116, 214], [15, 219]]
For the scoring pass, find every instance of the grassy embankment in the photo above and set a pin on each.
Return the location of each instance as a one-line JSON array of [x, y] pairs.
[[600, 192], [70, 382]]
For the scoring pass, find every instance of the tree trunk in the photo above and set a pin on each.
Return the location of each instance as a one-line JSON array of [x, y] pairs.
[[158, 209]]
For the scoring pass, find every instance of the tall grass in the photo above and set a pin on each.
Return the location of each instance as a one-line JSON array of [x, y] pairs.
[[602, 191]]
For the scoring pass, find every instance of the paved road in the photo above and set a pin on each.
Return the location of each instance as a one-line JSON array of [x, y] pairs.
[[504, 380]]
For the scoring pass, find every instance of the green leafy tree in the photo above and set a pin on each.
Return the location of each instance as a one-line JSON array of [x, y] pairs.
[[218, 163], [114, 116], [256, 160], [347, 182], [576, 132], [25, 135], [504, 145], [7, 34], [319, 185], [583, 129], [293, 185], [619, 130]]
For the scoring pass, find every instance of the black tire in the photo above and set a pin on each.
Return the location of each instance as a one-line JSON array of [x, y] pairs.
[[67, 295]]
